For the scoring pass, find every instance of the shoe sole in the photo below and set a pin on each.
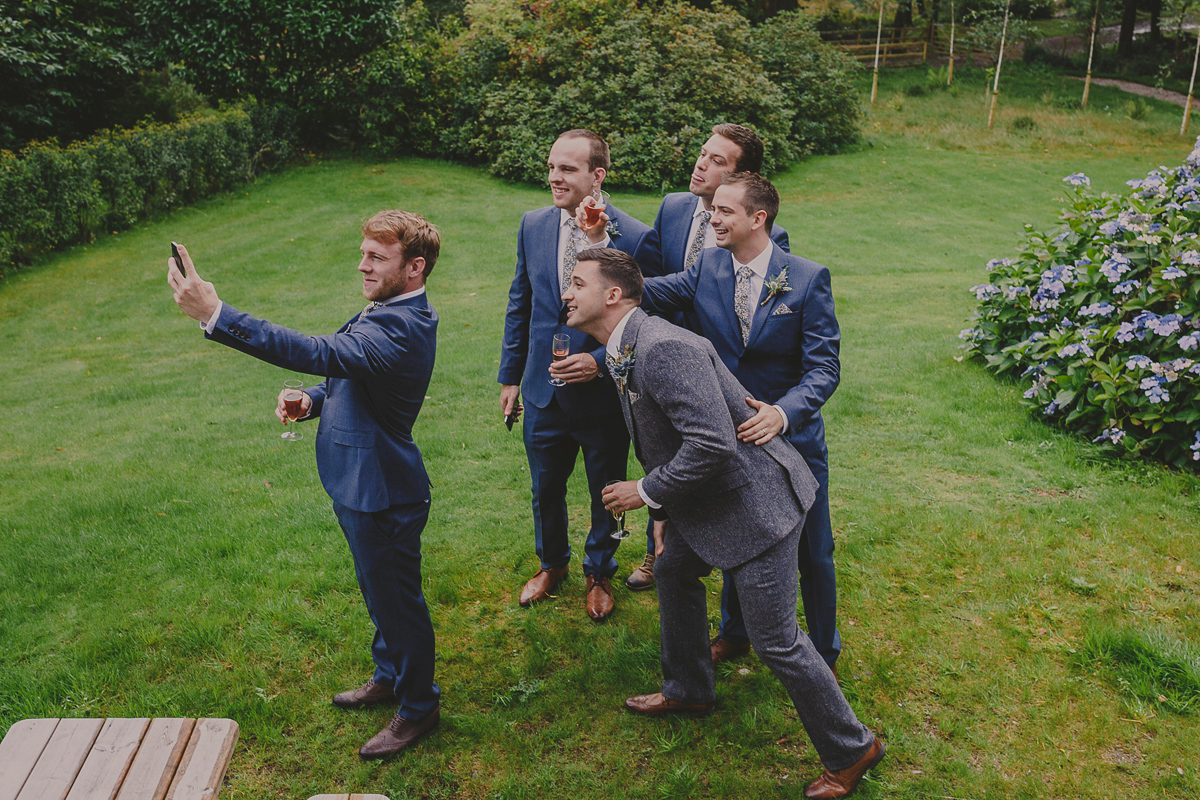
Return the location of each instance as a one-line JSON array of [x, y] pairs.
[[639, 588]]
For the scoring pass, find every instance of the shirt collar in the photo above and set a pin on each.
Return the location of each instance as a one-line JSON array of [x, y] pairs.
[[699, 209], [613, 348], [405, 296], [758, 264], [564, 217]]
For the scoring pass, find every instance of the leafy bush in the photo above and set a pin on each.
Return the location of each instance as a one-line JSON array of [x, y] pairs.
[[1102, 318], [51, 196], [651, 78]]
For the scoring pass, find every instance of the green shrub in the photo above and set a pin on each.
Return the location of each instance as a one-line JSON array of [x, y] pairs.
[[1103, 316], [52, 196], [651, 78], [1023, 123]]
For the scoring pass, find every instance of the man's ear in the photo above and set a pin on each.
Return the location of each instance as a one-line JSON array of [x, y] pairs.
[[415, 267], [598, 176], [758, 219]]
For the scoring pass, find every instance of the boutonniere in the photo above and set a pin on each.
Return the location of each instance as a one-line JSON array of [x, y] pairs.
[[776, 285], [621, 366], [612, 230]]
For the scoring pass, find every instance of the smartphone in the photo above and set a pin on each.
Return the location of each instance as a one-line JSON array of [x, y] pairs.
[[178, 260], [511, 418]]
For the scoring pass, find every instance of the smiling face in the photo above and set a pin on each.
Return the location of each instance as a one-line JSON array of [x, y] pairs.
[[570, 178], [384, 270], [588, 298], [734, 226], [718, 157]]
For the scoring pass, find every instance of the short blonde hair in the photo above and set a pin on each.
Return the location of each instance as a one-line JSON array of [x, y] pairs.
[[417, 237]]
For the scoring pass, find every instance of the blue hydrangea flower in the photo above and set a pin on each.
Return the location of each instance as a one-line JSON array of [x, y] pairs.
[[1113, 435], [1102, 309], [1077, 179], [1127, 287], [1196, 448], [1114, 267], [1075, 349], [1126, 332], [1165, 325], [1138, 362], [1189, 342], [1190, 257], [1153, 387], [1111, 228], [985, 291], [967, 334], [1051, 409], [1172, 272]]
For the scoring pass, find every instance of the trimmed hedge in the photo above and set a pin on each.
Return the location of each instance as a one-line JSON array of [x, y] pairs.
[[52, 196]]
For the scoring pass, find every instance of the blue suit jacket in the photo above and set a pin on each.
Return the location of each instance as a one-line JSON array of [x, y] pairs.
[[665, 248], [791, 358], [378, 373], [536, 312]]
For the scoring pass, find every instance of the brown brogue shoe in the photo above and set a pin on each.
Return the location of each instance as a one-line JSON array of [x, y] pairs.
[[599, 597], [642, 578], [541, 585], [397, 735], [657, 704], [368, 694], [840, 783], [723, 649]]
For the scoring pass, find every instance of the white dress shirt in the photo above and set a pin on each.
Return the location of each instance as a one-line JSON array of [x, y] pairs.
[[613, 349], [710, 238]]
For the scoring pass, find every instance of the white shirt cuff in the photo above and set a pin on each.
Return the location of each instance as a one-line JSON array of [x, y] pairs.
[[785, 419], [212, 321], [645, 497]]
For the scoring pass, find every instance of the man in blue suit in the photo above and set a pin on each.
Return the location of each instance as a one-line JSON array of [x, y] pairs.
[[584, 414], [682, 231], [770, 317], [378, 366]]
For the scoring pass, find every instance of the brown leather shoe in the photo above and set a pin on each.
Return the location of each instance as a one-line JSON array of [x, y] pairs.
[[655, 705], [397, 735], [842, 782], [723, 649], [599, 597], [542, 584], [368, 694], [642, 578]]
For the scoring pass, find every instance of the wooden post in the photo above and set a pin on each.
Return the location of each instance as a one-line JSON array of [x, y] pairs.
[[1187, 109], [1087, 82], [999, 61], [878, 41], [950, 66]]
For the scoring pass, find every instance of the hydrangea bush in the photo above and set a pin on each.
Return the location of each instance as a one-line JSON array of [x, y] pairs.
[[1099, 318]]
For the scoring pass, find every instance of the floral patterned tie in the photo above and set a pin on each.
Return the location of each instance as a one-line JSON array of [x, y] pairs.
[[371, 306], [569, 255], [741, 300], [698, 240]]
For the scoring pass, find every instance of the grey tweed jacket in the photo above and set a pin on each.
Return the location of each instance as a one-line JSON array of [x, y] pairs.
[[729, 500]]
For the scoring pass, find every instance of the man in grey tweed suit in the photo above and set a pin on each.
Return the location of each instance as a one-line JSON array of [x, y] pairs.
[[722, 503]]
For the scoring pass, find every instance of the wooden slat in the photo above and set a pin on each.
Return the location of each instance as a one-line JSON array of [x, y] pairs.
[[19, 752], [348, 797], [203, 766], [154, 765], [109, 759], [61, 759]]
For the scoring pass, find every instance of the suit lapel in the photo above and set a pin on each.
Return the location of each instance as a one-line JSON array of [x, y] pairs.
[[684, 218], [761, 310], [629, 337], [546, 247]]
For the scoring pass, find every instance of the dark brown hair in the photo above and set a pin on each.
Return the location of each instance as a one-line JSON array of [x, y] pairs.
[[617, 269], [751, 159], [758, 194], [598, 156]]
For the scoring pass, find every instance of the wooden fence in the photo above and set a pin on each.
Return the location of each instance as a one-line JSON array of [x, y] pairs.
[[902, 47]]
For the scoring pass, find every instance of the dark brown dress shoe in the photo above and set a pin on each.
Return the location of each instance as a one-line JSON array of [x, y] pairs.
[[723, 649], [541, 585], [655, 705], [398, 734], [642, 578], [599, 597], [842, 782], [369, 694]]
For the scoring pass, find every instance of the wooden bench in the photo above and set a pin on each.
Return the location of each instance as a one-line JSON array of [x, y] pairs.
[[115, 759]]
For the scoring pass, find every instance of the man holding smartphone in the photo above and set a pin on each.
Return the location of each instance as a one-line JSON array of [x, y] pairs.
[[377, 367]]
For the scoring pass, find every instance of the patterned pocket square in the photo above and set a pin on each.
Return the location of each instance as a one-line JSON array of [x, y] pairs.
[[782, 309], [633, 396]]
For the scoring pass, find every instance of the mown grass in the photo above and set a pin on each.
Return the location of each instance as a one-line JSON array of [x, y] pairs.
[[163, 552]]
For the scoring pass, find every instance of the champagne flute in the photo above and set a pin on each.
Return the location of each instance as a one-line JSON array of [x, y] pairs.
[[293, 402], [591, 214], [561, 348], [620, 533]]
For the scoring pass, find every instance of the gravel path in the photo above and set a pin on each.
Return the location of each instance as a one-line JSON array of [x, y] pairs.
[[1178, 98]]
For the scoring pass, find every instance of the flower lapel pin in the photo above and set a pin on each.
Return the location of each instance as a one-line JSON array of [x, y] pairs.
[[775, 286], [621, 366]]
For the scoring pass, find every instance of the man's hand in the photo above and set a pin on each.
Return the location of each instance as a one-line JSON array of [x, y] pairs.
[[194, 295], [763, 426], [622, 496], [578, 368], [305, 406], [509, 395], [660, 535], [596, 233]]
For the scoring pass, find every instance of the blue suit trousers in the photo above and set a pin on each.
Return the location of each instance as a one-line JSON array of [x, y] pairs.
[[386, 546]]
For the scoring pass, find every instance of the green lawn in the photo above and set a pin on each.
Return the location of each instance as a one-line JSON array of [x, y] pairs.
[[164, 553]]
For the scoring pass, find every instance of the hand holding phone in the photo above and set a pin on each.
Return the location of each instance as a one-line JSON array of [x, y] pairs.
[[178, 260]]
